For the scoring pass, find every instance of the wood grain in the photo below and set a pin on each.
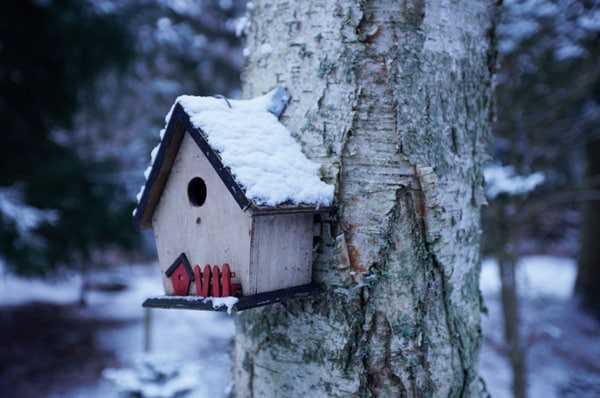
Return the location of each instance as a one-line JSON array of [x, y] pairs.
[[281, 252], [217, 232]]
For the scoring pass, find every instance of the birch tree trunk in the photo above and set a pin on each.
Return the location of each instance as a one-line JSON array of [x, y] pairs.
[[393, 98]]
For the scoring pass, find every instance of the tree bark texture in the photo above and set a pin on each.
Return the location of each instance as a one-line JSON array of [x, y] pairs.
[[393, 98]]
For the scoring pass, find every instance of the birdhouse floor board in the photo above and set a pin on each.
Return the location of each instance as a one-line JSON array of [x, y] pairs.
[[244, 302]]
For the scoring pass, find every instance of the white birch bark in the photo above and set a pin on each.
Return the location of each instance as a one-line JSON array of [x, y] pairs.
[[393, 98]]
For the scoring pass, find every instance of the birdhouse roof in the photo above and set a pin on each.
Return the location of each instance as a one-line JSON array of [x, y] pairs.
[[256, 157]]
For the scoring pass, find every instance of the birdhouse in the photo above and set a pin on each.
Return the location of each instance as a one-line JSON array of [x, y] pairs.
[[231, 199]]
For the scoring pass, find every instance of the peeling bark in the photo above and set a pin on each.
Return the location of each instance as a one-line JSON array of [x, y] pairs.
[[393, 98]]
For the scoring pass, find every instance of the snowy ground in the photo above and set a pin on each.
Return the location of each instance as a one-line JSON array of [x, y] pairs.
[[563, 344], [191, 342], [60, 350]]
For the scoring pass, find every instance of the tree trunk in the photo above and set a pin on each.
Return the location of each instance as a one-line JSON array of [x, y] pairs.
[[393, 98], [512, 322], [588, 273], [502, 239]]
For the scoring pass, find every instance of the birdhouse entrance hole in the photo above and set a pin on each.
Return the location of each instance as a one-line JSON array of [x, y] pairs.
[[197, 191]]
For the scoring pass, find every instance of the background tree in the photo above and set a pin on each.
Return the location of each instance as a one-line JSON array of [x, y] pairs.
[[54, 204], [547, 104], [81, 85], [393, 98], [180, 47], [588, 276]]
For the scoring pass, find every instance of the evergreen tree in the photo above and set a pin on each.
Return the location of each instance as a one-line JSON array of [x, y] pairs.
[[547, 103], [548, 98], [55, 205]]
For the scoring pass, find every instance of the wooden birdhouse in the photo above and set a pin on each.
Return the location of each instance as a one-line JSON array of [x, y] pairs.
[[231, 200]]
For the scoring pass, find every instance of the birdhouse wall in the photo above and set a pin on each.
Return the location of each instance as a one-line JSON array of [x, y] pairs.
[[215, 233], [281, 252]]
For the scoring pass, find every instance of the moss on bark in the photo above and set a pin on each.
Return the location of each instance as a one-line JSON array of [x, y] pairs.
[[393, 99]]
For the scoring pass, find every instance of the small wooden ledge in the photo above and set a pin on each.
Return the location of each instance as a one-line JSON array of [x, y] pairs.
[[243, 303]]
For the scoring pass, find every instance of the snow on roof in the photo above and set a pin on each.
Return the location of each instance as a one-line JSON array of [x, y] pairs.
[[263, 157]]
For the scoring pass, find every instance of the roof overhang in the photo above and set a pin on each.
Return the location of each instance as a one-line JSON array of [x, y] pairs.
[[178, 125]]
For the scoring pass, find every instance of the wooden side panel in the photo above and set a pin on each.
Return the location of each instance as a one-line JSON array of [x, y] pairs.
[[215, 233], [281, 252]]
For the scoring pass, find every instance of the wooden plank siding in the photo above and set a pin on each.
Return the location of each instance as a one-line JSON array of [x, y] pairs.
[[222, 234], [281, 252]]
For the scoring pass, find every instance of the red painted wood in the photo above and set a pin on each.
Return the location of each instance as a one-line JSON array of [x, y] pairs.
[[181, 281], [206, 281], [215, 286], [198, 279], [226, 280]]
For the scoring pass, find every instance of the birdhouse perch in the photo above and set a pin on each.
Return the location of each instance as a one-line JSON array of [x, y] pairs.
[[230, 191]]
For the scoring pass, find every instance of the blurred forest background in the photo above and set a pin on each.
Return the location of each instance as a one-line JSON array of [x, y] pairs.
[[85, 85]]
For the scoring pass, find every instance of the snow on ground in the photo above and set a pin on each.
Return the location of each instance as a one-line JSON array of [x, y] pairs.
[[562, 342], [194, 346], [197, 341], [16, 291], [536, 275], [194, 342], [160, 376]]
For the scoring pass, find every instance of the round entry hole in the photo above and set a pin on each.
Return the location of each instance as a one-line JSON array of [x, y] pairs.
[[197, 191]]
